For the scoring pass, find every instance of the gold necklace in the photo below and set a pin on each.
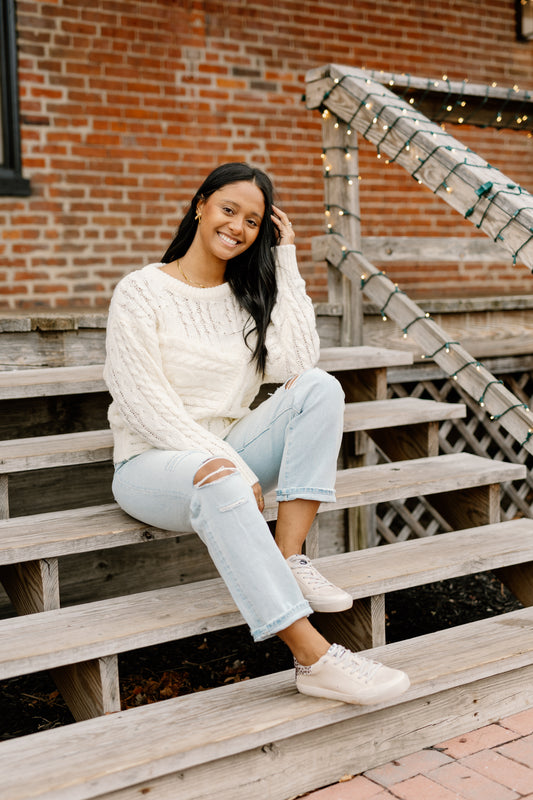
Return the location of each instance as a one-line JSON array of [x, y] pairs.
[[187, 279], [192, 283]]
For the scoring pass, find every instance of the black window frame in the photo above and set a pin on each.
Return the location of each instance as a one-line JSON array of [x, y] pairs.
[[11, 181]]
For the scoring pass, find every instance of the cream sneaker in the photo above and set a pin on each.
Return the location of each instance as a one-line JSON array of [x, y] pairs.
[[321, 594], [343, 675]]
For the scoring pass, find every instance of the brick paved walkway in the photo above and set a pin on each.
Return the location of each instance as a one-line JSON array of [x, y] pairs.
[[491, 763]]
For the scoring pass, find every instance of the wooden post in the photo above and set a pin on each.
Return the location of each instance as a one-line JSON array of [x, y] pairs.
[[341, 193], [4, 497], [360, 628], [341, 171]]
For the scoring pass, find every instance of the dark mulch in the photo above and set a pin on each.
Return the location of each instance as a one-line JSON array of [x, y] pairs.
[[31, 703]]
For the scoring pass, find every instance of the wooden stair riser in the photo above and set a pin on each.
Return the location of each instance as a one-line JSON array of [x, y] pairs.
[[468, 508], [408, 441], [519, 580], [364, 385]]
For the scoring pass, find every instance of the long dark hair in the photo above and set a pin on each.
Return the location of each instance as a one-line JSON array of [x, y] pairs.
[[252, 274]]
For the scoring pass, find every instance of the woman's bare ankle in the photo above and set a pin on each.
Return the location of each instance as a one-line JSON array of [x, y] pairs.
[[305, 643]]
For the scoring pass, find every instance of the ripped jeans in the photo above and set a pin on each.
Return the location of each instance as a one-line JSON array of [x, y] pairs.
[[291, 442]]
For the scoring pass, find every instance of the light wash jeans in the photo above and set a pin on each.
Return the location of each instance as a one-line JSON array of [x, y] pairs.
[[291, 441]]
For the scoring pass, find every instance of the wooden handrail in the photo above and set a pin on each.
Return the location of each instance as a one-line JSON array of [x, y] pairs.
[[402, 134], [453, 359]]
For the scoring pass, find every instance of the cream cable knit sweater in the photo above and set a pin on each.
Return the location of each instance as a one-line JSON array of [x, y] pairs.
[[177, 366]]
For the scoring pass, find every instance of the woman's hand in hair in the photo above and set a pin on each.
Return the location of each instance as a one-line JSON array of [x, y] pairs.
[[284, 227]]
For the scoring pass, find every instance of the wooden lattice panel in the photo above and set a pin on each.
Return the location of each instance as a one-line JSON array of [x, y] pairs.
[[476, 433]]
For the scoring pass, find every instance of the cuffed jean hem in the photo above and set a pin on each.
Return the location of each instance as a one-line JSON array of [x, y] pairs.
[[299, 611], [306, 493]]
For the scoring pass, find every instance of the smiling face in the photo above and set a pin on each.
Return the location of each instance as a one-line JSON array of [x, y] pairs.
[[231, 219]]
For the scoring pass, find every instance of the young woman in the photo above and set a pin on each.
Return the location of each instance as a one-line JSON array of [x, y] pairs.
[[190, 341]]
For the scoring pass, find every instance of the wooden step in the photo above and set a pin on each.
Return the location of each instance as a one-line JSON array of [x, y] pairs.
[[50, 381], [41, 452], [105, 628], [439, 476], [398, 411], [63, 449], [80, 530], [77, 530], [261, 738]]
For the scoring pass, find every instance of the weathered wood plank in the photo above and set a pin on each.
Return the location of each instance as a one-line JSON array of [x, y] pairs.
[[385, 250], [4, 497], [83, 761], [338, 359], [33, 586], [399, 411], [74, 531], [41, 452], [425, 476], [51, 381], [441, 100], [416, 562]]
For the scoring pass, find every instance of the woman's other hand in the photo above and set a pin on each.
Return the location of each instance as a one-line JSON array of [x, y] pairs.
[[258, 494]]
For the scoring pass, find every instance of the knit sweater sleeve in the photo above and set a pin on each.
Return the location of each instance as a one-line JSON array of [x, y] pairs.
[[292, 339], [135, 376]]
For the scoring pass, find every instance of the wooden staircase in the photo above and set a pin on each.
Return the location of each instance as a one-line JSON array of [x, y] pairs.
[[255, 738]]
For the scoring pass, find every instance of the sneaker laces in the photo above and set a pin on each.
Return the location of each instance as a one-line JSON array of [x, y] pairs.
[[354, 664], [304, 569]]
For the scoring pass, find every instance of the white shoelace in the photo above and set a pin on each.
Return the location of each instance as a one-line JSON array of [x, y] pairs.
[[354, 664], [307, 572]]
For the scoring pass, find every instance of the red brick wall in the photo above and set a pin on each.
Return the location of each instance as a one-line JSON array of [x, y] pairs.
[[127, 104]]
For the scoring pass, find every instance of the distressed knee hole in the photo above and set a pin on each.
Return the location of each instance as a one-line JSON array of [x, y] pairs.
[[290, 382], [213, 470]]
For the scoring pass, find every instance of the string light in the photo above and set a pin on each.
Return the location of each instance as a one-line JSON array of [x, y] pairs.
[[416, 319], [481, 400], [396, 290], [446, 346], [510, 408], [477, 365]]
